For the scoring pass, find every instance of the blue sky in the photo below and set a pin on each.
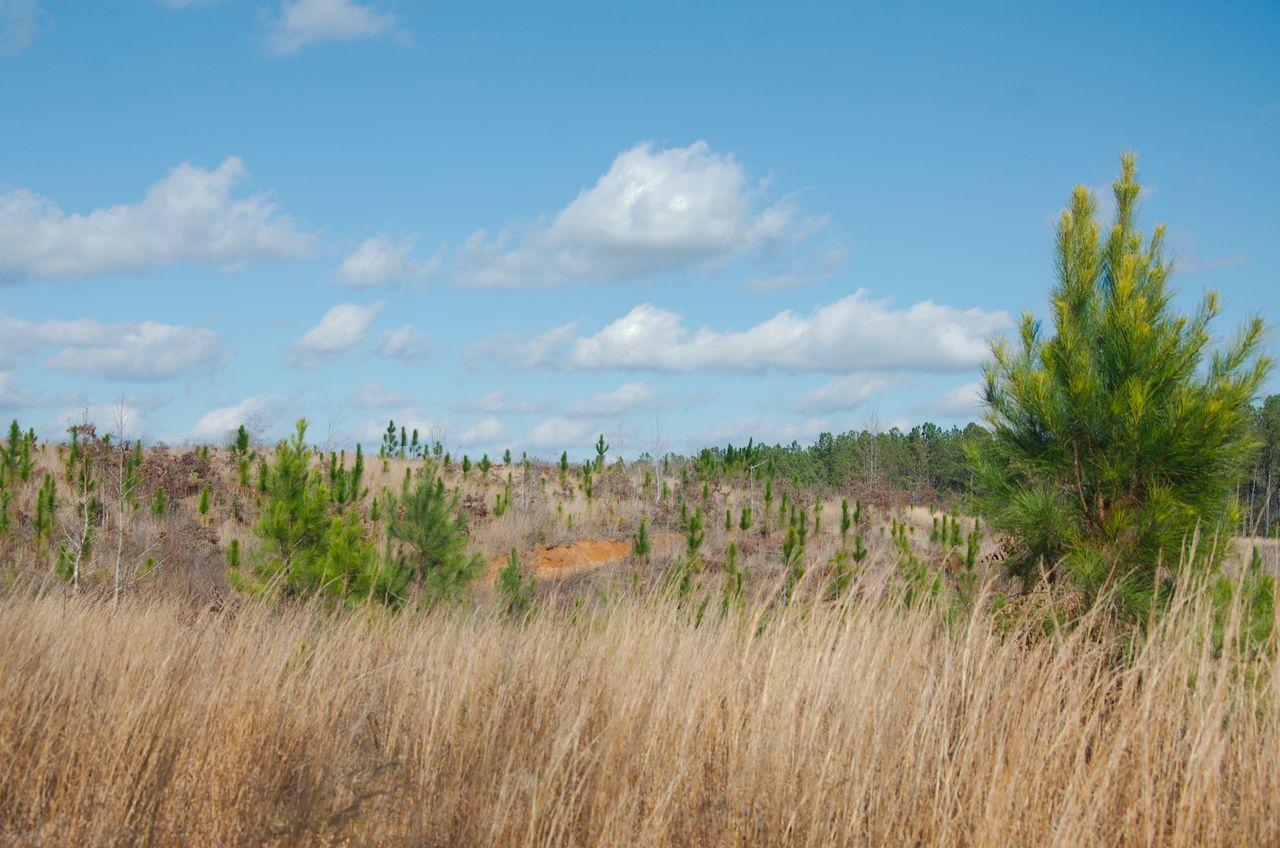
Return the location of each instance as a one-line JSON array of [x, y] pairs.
[[519, 225]]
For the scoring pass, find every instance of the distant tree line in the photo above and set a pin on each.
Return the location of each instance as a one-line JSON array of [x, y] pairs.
[[1259, 493], [929, 461], [923, 462]]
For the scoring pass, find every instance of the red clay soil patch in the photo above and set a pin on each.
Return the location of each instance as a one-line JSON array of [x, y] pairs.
[[564, 560]]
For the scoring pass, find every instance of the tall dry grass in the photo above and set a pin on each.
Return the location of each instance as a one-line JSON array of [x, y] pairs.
[[623, 725]]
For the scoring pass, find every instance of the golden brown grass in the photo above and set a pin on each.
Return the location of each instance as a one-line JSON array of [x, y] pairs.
[[625, 724]]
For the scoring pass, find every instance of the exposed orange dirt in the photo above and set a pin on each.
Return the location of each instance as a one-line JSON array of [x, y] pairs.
[[550, 563]]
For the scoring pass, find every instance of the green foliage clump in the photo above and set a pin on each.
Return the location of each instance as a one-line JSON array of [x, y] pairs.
[[1117, 437], [601, 449], [732, 595], [305, 549], [428, 541], [46, 510], [1246, 606], [640, 543], [841, 575], [240, 447], [16, 457], [695, 533], [515, 591]]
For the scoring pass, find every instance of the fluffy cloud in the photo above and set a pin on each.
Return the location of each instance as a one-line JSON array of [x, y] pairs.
[[304, 22], [853, 334], [498, 402], [17, 25], [379, 260], [114, 418], [963, 401], [625, 398], [544, 351], [373, 396], [14, 396], [429, 429], [841, 393], [144, 351], [403, 343], [256, 414], [191, 215], [342, 328], [486, 432], [653, 212], [556, 434]]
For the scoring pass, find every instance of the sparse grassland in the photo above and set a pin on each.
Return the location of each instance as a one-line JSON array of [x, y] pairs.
[[626, 723], [731, 686]]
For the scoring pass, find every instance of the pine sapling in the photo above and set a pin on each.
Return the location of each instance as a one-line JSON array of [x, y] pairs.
[[515, 591], [640, 544]]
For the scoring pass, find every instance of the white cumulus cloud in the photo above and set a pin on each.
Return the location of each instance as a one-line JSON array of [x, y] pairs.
[[486, 432], [114, 418], [405, 343], [342, 328], [127, 351], [379, 260], [304, 22], [191, 215], [498, 402], [841, 393], [14, 396], [557, 434], [653, 212], [963, 401], [372, 395], [256, 414], [625, 398], [854, 333]]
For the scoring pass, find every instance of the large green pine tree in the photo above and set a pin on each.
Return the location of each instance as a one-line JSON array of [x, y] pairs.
[[1124, 431]]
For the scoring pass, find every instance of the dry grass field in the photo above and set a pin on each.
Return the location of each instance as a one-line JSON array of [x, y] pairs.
[[624, 724], [619, 714]]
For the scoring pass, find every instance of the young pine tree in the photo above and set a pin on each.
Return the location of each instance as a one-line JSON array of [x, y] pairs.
[[515, 591], [640, 544], [601, 449], [241, 445], [305, 549], [428, 537], [695, 533], [1124, 430]]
